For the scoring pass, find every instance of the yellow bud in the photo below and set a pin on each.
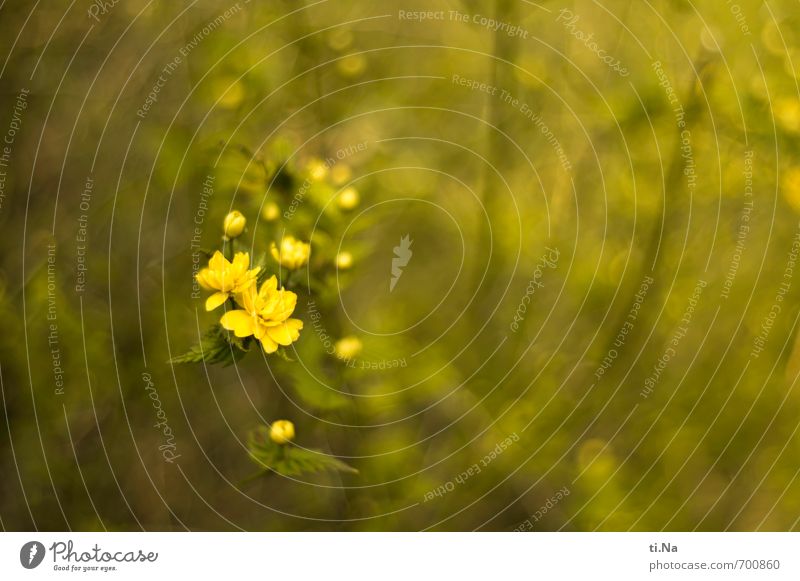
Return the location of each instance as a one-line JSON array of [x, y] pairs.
[[270, 212], [281, 431], [344, 260], [348, 347], [348, 199], [234, 224]]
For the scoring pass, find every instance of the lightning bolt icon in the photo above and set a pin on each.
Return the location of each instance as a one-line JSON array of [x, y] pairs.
[[402, 254]]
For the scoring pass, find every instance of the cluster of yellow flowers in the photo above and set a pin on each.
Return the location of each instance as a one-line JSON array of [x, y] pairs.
[[262, 312], [257, 307]]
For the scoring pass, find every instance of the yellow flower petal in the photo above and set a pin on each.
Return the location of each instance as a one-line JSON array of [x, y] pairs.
[[247, 297], [268, 344], [238, 321], [215, 300], [203, 279], [269, 285], [217, 262], [241, 261], [284, 306], [259, 329]]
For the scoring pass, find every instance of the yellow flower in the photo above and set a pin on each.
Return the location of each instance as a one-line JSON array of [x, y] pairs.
[[344, 260], [348, 347], [227, 278], [270, 212], [292, 254], [265, 315], [348, 199], [233, 224], [281, 431]]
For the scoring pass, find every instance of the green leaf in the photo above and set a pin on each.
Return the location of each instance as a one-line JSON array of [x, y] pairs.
[[216, 346], [290, 460]]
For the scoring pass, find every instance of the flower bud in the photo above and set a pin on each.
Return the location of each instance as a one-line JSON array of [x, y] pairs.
[[281, 431], [270, 212], [234, 224], [348, 199], [344, 260]]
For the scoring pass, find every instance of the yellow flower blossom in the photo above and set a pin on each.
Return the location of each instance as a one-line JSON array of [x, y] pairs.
[[281, 431], [265, 315], [234, 224], [227, 278], [292, 254]]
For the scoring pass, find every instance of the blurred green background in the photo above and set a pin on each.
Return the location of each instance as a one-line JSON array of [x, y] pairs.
[[639, 141]]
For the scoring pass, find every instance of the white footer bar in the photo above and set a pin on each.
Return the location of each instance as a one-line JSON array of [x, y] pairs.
[[406, 556]]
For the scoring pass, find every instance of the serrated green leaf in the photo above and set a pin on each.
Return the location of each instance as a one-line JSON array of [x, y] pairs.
[[216, 346]]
